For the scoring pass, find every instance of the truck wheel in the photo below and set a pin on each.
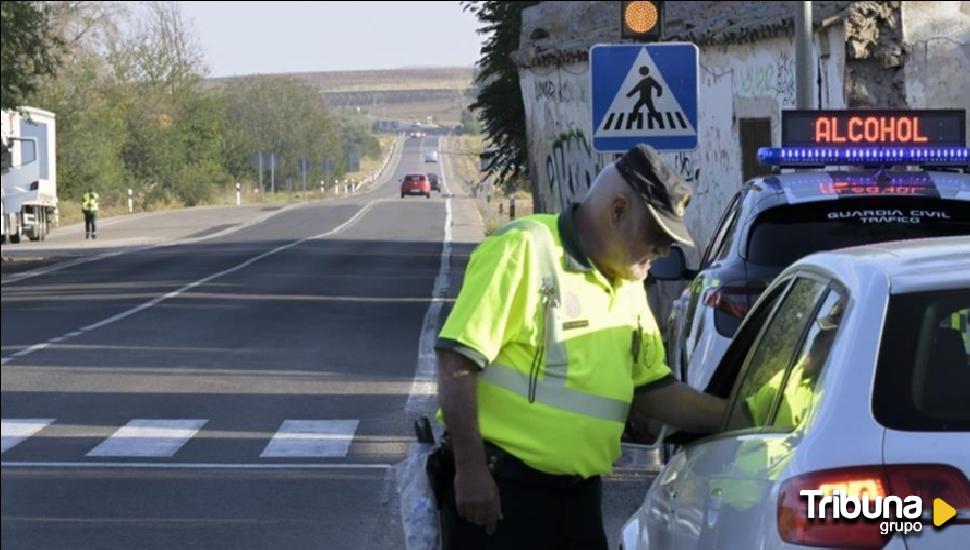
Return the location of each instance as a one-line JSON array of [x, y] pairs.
[[15, 237], [427, 195]]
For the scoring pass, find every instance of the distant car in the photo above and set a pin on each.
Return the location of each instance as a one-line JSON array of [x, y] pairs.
[[416, 184], [431, 156], [848, 376], [434, 181]]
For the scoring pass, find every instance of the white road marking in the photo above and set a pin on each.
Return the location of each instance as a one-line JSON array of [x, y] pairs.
[[141, 307], [141, 437], [311, 438], [425, 387], [14, 431], [195, 465]]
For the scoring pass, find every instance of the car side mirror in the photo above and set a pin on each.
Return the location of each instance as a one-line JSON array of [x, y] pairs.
[[672, 267]]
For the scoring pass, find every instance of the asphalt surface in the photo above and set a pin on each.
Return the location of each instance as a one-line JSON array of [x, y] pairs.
[[165, 366]]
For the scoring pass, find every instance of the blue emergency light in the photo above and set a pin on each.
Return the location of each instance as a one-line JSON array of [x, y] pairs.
[[822, 156], [935, 137]]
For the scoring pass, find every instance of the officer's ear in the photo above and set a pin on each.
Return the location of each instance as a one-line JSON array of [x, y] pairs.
[[619, 207]]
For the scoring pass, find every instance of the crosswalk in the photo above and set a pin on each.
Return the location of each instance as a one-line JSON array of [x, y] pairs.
[[163, 438], [660, 120], [14, 432]]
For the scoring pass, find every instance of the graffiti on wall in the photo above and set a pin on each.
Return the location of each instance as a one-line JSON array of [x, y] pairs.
[[571, 166], [775, 77], [687, 165], [545, 90], [560, 91]]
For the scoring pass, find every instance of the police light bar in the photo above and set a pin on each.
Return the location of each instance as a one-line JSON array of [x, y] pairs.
[[868, 156], [923, 138]]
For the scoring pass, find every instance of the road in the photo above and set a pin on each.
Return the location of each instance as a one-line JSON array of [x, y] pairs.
[[240, 377]]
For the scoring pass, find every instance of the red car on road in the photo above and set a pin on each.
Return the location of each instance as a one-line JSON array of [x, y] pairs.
[[416, 184]]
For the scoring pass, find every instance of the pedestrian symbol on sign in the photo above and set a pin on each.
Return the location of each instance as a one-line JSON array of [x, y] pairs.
[[646, 87], [644, 94]]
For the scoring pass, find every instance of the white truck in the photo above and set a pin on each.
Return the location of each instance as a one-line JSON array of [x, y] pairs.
[[29, 174]]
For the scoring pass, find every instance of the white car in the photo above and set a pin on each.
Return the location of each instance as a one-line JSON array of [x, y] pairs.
[[431, 155], [849, 377]]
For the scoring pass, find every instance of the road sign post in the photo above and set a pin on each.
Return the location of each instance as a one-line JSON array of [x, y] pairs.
[[644, 93]]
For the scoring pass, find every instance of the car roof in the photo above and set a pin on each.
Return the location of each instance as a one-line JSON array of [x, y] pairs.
[[819, 185], [909, 266]]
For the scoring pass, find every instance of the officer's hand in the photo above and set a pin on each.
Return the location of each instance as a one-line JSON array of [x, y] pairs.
[[477, 498]]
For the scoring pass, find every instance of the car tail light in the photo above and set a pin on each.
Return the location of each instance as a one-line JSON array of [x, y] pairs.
[[732, 300], [731, 303], [927, 481]]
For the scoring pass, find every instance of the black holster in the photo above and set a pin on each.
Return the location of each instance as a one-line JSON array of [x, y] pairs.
[[440, 467]]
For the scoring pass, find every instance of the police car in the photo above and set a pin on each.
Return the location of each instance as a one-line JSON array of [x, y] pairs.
[[848, 378], [892, 184]]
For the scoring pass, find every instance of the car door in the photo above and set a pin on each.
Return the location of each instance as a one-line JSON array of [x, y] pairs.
[[920, 397], [714, 489]]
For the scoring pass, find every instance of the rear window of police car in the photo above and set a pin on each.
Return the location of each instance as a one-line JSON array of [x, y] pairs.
[[924, 362], [786, 233]]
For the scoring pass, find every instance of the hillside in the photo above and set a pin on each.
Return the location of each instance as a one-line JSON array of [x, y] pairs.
[[406, 94]]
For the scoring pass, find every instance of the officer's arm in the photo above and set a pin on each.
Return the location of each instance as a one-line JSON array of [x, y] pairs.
[[681, 406], [476, 495], [457, 387]]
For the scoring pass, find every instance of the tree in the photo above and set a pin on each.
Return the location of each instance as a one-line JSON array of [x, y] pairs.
[[285, 117], [29, 50], [499, 101]]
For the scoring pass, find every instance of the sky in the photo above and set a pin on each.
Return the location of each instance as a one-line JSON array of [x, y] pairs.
[[276, 37]]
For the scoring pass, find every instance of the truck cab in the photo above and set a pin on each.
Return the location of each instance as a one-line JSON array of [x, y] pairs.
[[29, 173]]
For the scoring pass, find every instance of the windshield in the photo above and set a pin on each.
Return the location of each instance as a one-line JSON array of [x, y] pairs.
[[786, 233]]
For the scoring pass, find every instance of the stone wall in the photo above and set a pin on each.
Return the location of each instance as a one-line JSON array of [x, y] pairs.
[[936, 39]]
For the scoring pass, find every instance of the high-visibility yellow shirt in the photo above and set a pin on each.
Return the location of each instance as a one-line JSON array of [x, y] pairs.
[[796, 399], [89, 202], [612, 346]]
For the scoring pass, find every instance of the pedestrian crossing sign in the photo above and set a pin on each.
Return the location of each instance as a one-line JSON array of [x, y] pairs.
[[644, 93]]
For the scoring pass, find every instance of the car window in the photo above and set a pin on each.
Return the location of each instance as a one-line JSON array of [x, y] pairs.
[[769, 357], [723, 225], [724, 248], [726, 374], [801, 391], [923, 370], [784, 234]]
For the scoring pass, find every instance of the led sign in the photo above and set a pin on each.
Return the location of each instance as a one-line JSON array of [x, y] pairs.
[[927, 138], [924, 128]]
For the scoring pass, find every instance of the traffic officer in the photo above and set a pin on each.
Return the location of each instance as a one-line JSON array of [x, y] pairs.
[[89, 205], [548, 349]]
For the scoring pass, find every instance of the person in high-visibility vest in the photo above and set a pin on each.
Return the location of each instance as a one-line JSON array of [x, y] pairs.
[[549, 348], [89, 205]]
